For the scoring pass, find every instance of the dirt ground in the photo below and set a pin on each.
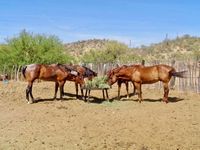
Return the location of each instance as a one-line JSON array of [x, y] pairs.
[[72, 124]]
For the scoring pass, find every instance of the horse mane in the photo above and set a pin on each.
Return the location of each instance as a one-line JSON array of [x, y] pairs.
[[69, 68], [117, 69], [88, 72]]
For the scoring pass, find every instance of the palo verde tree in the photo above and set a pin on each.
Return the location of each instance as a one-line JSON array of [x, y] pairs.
[[27, 48], [4, 57]]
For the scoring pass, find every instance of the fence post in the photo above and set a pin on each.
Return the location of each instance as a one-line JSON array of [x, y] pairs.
[[143, 62], [18, 70], [198, 78], [172, 82]]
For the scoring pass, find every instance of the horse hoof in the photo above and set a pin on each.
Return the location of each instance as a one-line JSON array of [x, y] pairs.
[[30, 102], [56, 99], [165, 100], [79, 98]]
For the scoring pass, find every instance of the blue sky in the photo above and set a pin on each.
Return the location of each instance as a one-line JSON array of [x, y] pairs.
[[138, 21]]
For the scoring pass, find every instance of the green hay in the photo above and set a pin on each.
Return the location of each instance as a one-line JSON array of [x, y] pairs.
[[97, 82]]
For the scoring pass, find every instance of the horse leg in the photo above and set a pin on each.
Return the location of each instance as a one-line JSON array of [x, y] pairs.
[[82, 94], [76, 86], [32, 99], [29, 92], [86, 92], [139, 89], [134, 88], [89, 92], [127, 89], [61, 85], [88, 99], [107, 95], [63, 90], [56, 89], [166, 92], [119, 88]]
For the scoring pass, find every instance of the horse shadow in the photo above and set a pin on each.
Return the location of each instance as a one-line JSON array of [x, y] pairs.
[[170, 99], [70, 97], [124, 97], [39, 100], [97, 100]]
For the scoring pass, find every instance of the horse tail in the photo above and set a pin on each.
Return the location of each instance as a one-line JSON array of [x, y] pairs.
[[181, 74], [24, 71]]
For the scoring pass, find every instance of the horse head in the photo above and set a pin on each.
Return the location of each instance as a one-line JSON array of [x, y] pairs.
[[111, 77], [88, 73]]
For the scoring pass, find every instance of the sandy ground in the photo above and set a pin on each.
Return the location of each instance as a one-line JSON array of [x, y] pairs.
[[75, 125]]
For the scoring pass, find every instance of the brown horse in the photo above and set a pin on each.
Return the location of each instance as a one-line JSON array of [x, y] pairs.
[[146, 75], [85, 72], [55, 72], [121, 80]]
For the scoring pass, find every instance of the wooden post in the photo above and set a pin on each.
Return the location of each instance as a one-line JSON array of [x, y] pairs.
[[198, 91], [143, 62], [172, 82], [103, 94], [107, 95], [18, 70]]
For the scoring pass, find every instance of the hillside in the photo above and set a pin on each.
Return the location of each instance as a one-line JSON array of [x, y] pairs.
[[80, 47], [185, 47]]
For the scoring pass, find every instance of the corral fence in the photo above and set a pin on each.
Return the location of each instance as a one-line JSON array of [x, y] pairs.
[[189, 84]]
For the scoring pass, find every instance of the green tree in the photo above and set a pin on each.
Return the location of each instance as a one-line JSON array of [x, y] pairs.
[[113, 52], [30, 48], [4, 57]]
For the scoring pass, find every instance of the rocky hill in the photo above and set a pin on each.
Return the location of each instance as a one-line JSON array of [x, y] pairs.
[[80, 47], [180, 48], [185, 47]]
